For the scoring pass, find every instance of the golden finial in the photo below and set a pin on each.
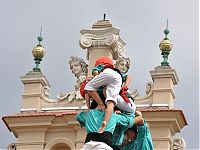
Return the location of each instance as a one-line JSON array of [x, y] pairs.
[[38, 53], [165, 47]]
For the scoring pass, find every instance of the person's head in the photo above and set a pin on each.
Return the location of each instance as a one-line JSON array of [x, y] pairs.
[[78, 66], [131, 133], [104, 60], [123, 64]]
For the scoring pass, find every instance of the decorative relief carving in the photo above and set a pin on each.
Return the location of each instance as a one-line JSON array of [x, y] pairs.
[[12, 146], [123, 64], [45, 94], [134, 93], [85, 41], [79, 68], [70, 96], [67, 97], [178, 143], [46, 91], [112, 40], [149, 87], [118, 51], [147, 99]]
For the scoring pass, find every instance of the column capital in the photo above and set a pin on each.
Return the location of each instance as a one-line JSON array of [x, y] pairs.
[[165, 72], [103, 36], [35, 77]]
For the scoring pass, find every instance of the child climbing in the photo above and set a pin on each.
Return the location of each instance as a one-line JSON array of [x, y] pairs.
[[111, 79], [123, 64]]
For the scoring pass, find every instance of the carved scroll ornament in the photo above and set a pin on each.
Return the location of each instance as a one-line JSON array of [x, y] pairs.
[[178, 143]]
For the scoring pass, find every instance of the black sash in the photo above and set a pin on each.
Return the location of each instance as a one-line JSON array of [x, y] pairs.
[[105, 137]]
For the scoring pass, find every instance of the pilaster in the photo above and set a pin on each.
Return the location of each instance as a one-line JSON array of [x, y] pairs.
[[164, 78], [164, 124], [33, 85], [81, 134]]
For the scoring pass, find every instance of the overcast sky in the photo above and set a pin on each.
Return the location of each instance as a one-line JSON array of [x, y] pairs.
[[141, 24]]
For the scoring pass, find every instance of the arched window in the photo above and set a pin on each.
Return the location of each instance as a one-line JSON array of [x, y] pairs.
[[60, 144]]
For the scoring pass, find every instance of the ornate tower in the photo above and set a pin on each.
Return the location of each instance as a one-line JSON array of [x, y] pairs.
[[102, 40], [49, 124], [158, 105]]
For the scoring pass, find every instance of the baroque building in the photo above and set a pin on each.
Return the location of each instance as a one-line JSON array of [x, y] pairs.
[[44, 123]]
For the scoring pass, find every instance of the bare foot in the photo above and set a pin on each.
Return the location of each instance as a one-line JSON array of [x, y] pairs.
[[102, 127]]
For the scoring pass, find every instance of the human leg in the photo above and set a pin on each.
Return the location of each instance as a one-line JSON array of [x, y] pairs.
[[125, 106], [98, 81], [112, 90], [97, 98], [108, 113]]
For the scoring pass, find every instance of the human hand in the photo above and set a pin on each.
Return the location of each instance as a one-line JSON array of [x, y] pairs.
[[102, 127], [138, 113]]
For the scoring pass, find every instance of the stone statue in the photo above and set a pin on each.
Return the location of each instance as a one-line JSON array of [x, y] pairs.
[[79, 69], [123, 64]]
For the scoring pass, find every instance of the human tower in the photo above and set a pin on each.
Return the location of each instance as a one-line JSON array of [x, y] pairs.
[[111, 120]]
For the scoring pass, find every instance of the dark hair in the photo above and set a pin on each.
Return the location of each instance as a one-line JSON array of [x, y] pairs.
[[134, 128]]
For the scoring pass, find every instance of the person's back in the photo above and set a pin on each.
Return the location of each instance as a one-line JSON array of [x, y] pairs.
[[92, 120]]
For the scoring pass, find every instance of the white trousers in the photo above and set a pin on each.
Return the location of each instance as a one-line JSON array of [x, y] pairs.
[[109, 78], [93, 145], [124, 106], [113, 81]]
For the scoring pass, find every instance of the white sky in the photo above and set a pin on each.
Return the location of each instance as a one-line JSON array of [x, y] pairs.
[[141, 23]]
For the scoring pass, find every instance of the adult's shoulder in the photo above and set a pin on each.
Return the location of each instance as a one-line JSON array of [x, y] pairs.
[[125, 119], [143, 129], [125, 114]]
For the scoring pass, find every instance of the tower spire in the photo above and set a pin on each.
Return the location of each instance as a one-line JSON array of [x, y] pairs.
[[166, 31], [40, 38], [38, 53], [165, 47]]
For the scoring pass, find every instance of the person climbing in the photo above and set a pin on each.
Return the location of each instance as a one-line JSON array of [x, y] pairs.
[[109, 77], [91, 120]]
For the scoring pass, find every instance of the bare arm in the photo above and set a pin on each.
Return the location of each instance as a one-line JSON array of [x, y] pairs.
[[138, 119], [128, 80], [87, 99]]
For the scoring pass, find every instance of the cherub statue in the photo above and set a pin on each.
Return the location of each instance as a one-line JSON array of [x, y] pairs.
[[123, 64], [79, 69]]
